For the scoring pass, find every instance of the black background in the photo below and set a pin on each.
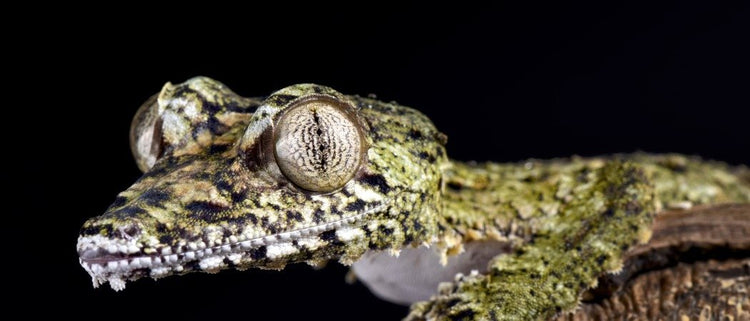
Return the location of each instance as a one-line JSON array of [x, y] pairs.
[[505, 83]]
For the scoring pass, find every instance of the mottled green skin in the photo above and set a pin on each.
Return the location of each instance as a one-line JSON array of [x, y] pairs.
[[578, 215], [216, 190], [509, 201], [217, 184]]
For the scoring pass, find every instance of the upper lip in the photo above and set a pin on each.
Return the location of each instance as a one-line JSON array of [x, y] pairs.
[[101, 256]]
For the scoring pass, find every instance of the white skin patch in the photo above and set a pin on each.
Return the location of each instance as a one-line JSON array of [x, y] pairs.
[[348, 233], [310, 243], [174, 126], [367, 194], [190, 109], [211, 262], [117, 283], [277, 250]]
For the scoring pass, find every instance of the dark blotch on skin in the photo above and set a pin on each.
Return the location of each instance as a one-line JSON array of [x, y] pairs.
[[378, 181], [415, 134], [216, 127], [119, 201], [258, 254], [215, 149], [417, 225], [356, 206], [274, 228], [452, 302], [105, 230], [328, 236], [454, 186], [386, 230], [166, 239], [427, 156], [318, 216], [210, 107], [463, 315], [293, 215], [235, 107], [440, 151], [154, 197], [161, 227], [204, 207], [90, 230], [186, 234], [238, 197], [264, 222], [194, 265], [237, 222]]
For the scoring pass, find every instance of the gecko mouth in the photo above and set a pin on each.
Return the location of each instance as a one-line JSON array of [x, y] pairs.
[[117, 260]]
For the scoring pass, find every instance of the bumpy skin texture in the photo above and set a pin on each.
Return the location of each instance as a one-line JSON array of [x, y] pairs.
[[216, 198], [213, 197]]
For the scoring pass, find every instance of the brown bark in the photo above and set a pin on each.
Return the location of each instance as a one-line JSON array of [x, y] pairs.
[[695, 267]]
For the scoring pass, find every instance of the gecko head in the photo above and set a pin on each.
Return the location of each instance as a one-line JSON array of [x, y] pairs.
[[306, 175]]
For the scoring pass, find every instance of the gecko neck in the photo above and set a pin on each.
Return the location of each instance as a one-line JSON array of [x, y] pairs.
[[509, 201]]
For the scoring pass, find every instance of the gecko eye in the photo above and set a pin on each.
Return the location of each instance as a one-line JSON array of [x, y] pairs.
[[145, 135], [319, 145]]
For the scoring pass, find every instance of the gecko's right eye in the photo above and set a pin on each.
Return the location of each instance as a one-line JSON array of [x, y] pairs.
[[318, 143]]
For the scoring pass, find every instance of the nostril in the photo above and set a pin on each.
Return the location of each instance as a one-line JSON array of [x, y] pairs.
[[129, 231]]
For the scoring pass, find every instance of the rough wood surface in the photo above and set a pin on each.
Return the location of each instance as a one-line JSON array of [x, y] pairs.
[[696, 267]]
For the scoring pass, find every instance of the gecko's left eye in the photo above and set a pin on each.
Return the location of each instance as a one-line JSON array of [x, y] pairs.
[[318, 143], [145, 135]]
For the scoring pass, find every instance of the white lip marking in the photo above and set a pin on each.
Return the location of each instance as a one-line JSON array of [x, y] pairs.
[[118, 271]]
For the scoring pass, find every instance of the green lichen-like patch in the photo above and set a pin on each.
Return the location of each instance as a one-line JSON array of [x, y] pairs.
[[509, 202], [604, 216]]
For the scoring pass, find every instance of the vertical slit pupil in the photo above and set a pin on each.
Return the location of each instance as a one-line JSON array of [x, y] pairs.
[[322, 146]]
